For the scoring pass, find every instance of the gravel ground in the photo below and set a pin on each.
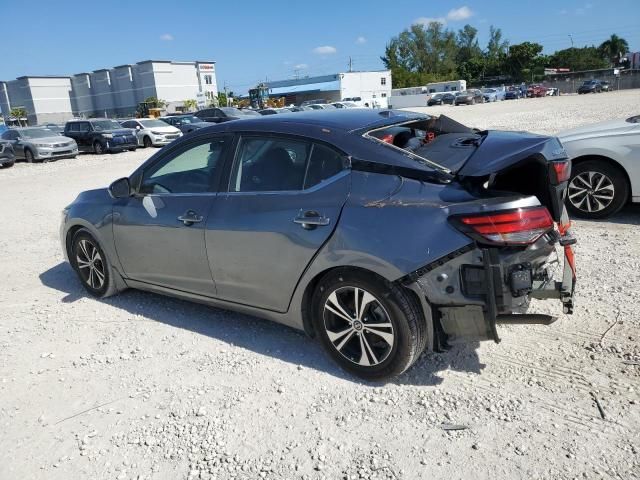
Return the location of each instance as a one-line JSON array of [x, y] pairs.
[[141, 386]]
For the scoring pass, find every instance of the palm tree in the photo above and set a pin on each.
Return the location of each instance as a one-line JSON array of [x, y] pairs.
[[613, 48], [190, 105]]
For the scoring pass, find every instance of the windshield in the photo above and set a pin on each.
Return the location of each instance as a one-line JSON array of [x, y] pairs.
[[189, 119], [99, 125], [38, 133], [437, 95], [153, 123], [488, 90], [231, 111]]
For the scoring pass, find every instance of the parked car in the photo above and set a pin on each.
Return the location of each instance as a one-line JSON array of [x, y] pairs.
[[321, 106], [100, 135], [273, 111], [7, 156], [604, 86], [536, 91], [469, 97], [317, 101], [492, 94], [309, 219], [605, 172], [437, 99], [54, 127], [37, 143], [299, 109], [250, 112], [513, 93], [449, 98], [151, 132], [345, 104], [552, 92], [185, 123], [219, 114], [590, 86]]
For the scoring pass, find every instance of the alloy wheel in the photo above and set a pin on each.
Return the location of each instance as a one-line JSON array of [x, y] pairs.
[[591, 191], [90, 264], [358, 326]]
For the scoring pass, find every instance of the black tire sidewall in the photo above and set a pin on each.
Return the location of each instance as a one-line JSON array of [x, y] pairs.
[[146, 142], [27, 153], [397, 360], [84, 234], [99, 145], [620, 184]]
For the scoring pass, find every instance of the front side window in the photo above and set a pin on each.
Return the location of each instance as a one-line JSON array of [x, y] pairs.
[[84, 127], [190, 170], [278, 164]]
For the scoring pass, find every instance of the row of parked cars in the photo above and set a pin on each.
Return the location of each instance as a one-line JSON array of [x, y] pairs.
[[101, 135], [487, 95]]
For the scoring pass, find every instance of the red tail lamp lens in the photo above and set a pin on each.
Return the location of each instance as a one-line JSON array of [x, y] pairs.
[[514, 227], [562, 171]]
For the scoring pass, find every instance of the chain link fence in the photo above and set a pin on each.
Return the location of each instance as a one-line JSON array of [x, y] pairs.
[[569, 82]]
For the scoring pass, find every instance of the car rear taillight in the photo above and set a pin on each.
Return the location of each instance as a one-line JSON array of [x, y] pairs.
[[522, 226], [560, 172]]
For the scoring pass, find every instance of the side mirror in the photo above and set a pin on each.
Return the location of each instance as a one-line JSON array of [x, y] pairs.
[[121, 188], [137, 127]]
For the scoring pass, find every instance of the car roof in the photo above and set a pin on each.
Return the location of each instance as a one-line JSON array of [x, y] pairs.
[[342, 119]]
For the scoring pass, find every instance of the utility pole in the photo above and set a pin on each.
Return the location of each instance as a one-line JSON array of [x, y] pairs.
[[350, 64], [571, 38], [225, 93]]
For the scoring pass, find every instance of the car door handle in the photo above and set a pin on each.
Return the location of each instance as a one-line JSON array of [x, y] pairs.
[[310, 220], [190, 217]]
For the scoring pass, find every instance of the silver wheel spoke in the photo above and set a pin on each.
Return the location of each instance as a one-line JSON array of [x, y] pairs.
[[335, 336], [83, 247], [387, 337], [100, 276], [82, 263], [367, 299], [369, 349], [336, 308], [345, 340], [91, 277], [364, 360]]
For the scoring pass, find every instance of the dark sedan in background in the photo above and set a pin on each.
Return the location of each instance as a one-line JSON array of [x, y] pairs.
[[310, 219], [513, 93], [185, 123], [590, 86], [469, 97], [219, 114]]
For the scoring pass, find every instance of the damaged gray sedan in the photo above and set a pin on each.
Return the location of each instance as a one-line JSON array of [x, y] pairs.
[[381, 233]]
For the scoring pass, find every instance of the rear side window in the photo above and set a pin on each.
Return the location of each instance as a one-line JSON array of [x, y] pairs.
[[266, 164], [84, 127], [324, 163]]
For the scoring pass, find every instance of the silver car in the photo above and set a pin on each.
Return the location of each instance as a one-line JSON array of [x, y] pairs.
[[152, 132], [605, 166], [38, 143], [379, 247]]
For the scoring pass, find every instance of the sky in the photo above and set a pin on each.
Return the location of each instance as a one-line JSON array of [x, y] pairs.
[[251, 41]]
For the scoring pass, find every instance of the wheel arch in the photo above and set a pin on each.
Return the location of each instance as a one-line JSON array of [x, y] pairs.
[[306, 306]]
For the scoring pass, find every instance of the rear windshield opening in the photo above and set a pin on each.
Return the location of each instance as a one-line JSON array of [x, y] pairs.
[[439, 141]]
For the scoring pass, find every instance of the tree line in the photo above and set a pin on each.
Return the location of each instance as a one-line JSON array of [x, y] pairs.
[[429, 53]]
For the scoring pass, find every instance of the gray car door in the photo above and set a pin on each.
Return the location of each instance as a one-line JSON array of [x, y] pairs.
[[159, 232], [284, 200]]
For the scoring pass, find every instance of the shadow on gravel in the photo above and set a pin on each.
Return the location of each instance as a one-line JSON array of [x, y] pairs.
[[251, 333], [629, 215]]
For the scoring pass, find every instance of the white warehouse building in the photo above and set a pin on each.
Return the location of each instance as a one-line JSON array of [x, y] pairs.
[[114, 92], [373, 87]]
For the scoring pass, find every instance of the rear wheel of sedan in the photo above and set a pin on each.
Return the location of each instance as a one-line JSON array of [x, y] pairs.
[[596, 190], [28, 155], [370, 327], [91, 264]]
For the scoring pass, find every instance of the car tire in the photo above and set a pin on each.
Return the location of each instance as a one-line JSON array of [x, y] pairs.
[[597, 186], [91, 265], [7, 164], [28, 155], [473, 101], [98, 149], [371, 353], [146, 142]]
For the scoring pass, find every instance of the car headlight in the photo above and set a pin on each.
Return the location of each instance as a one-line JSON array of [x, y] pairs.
[[156, 133], [42, 145], [107, 135]]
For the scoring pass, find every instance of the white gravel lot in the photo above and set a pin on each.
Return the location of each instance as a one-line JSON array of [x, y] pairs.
[[141, 386]]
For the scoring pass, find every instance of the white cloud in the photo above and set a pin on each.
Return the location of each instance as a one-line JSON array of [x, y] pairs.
[[427, 20], [361, 40], [325, 50], [457, 14], [167, 37], [301, 66]]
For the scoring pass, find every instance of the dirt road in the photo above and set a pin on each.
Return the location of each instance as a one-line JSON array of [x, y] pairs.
[[143, 386]]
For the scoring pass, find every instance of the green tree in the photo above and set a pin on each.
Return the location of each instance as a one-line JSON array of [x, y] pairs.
[[496, 47], [222, 99], [524, 60], [614, 48], [577, 59], [154, 102], [19, 113], [421, 54], [190, 105], [467, 43]]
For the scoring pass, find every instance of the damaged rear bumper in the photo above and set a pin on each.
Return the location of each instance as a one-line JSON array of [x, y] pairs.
[[475, 288]]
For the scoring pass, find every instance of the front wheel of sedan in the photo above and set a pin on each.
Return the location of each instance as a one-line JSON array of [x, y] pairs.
[[92, 265], [370, 327], [596, 190]]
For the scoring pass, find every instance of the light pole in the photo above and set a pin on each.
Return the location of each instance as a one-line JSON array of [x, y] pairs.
[[571, 38]]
